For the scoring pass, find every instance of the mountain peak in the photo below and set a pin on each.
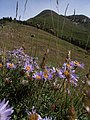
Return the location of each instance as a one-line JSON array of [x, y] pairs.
[[46, 13]]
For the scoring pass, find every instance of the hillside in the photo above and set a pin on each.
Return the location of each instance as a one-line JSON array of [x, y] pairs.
[[62, 27], [81, 20], [36, 41]]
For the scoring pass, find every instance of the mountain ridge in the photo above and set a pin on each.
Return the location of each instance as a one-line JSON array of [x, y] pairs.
[[72, 30], [73, 18]]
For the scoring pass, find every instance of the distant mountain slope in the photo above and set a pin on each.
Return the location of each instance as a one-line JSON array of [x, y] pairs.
[[63, 27], [80, 19]]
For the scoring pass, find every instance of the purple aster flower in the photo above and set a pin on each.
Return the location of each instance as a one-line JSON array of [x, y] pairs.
[[38, 75], [5, 110], [10, 66], [53, 70], [19, 58], [74, 79], [48, 74], [28, 67], [76, 64], [60, 73], [67, 72], [64, 66]]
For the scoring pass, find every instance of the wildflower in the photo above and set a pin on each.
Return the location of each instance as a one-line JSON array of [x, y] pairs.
[[67, 72], [38, 75], [5, 110], [28, 67], [68, 65], [74, 79], [76, 64], [47, 74], [60, 73], [10, 65]]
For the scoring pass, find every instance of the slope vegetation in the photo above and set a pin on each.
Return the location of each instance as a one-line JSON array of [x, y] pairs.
[[63, 27]]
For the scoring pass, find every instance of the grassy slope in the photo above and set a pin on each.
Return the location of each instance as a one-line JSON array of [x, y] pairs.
[[49, 19], [16, 35]]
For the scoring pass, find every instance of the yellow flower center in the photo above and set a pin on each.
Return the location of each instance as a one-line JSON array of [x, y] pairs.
[[33, 117], [66, 73], [10, 65], [38, 77], [68, 65], [77, 63], [28, 68], [45, 75], [1, 65]]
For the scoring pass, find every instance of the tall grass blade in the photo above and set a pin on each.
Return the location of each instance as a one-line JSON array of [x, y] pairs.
[[73, 24], [64, 19], [25, 6], [17, 9]]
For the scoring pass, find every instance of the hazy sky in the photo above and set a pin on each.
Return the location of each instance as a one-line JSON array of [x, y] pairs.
[[33, 7]]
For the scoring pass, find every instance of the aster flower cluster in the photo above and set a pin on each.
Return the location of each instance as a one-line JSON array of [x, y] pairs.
[[20, 59], [68, 71], [47, 74], [23, 69], [17, 59]]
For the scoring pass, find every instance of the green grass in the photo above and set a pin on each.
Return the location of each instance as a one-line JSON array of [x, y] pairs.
[[14, 35]]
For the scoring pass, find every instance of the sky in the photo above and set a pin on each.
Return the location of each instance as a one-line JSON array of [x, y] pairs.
[[33, 7]]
